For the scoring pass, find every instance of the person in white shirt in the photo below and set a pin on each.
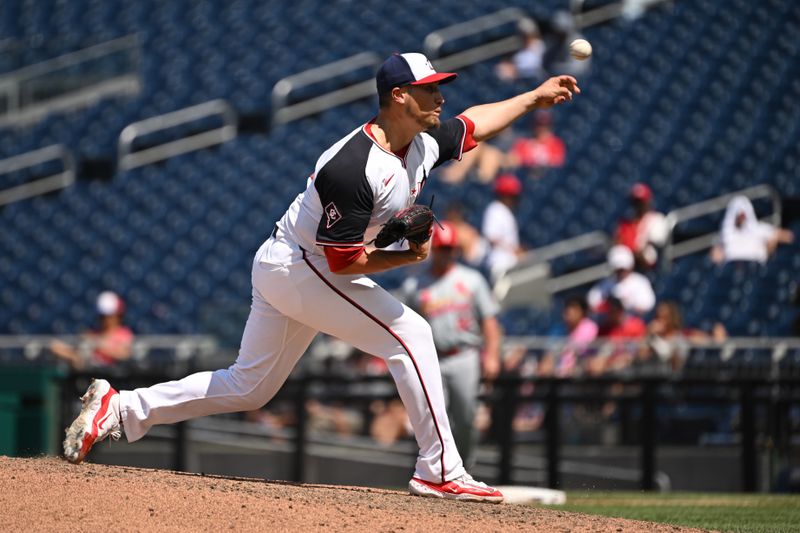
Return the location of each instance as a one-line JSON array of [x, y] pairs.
[[500, 226], [631, 288], [646, 231], [744, 237]]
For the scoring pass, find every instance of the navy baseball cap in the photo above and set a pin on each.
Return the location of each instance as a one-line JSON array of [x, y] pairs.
[[409, 69]]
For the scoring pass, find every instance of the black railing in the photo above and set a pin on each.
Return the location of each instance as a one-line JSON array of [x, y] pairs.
[[639, 401]]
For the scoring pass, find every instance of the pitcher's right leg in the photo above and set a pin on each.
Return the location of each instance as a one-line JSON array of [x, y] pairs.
[[271, 345]]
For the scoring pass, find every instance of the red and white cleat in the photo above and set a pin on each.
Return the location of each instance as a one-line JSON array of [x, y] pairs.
[[99, 418], [463, 488]]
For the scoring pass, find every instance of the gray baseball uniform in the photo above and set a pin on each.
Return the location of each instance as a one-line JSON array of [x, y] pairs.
[[455, 306]]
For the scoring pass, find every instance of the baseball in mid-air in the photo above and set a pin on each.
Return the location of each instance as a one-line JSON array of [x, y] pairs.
[[580, 49]]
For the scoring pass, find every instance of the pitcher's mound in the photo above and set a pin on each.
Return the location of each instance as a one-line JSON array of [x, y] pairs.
[[48, 494]]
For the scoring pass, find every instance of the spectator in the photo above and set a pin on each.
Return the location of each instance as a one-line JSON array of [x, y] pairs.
[[525, 64], [481, 164], [744, 238], [110, 343], [458, 304], [624, 331], [581, 332], [557, 57], [631, 288], [500, 225], [645, 231], [619, 324], [543, 150], [667, 342], [473, 246]]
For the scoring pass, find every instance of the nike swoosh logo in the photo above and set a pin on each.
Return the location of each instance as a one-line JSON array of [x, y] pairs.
[[388, 180]]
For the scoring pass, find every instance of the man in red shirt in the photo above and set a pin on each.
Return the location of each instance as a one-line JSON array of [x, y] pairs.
[[541, 151], [623, 331], [645, 231], [619, 325]]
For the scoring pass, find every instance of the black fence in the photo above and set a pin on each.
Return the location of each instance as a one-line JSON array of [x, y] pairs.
[[642, 405]]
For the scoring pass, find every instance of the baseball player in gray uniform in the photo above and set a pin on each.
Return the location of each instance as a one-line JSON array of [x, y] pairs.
[[458, 304], [311, 275]]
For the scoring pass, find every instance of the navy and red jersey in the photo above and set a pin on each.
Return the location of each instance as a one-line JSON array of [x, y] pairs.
[[357, 185]]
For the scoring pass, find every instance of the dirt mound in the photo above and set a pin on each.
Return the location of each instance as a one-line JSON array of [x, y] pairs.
[[48, 494]]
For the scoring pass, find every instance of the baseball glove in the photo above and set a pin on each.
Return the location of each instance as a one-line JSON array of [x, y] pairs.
[[414, 223]]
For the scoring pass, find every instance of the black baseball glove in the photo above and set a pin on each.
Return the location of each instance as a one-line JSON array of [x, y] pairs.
[[414, 223]]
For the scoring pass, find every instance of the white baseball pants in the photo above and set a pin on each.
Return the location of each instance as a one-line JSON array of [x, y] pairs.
[[292, 301]]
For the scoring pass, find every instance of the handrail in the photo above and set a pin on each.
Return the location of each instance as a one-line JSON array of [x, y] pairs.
[[706, 207], [42, 185], [593, 239], [128, 158], [435, 40], [15, 85], [283, 112], [611, 11], [533, 270], [185, 346], [73, 58]]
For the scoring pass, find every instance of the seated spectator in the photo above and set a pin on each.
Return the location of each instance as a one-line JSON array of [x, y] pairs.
[[473, 246], [500, 226], [581, 331], [619, 324], [744, 238], [631, 288], [480, 164], [557, 57], [110, 343], [541, 151], [526, 63], [645, 231], [624, 331], [667, 342]]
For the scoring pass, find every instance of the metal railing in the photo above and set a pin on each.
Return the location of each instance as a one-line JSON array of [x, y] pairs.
[[530, 283], [40, 185], [436, 40], [68, 81], [128, 158], [283, 112], [34, 348], [640, 402], [611, 11], [674, 250]]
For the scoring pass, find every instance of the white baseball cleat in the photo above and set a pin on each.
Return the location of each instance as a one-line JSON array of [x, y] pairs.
[[99, 418], [463, 488]]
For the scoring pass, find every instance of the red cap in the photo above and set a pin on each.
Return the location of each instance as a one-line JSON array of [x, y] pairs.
[[640, 191], [444, 237], [507, 185]]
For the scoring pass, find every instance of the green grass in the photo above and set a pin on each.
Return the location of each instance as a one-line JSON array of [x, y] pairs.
[[751, 513]]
